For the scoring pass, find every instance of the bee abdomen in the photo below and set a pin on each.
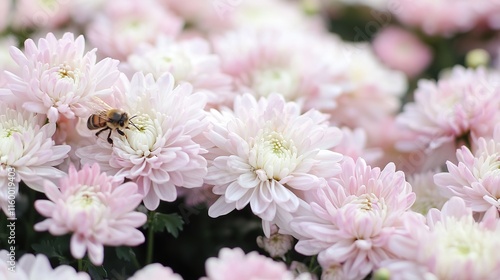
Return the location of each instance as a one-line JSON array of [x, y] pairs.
[[95, 122]]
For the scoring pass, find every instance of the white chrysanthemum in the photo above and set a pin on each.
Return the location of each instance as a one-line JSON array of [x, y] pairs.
[[164, 148], [57, 76], [189, 60], [26, 145], [31, 267], [458, 247], [266, 154], [428, 194], [476, 176]]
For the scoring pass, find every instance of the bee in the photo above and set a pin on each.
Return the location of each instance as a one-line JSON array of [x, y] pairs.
[[109, 118]]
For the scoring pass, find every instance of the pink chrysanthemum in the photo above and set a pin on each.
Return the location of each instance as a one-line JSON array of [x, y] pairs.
[[219, 16], [189, 60], [37, 14], [354, 218], [95, 208], [58, 77], [234, 264], [455, 246], [122, 26], [5, 11], [319, 70], [155, 271], [294, 64], [26, 146], [164, 149], [266, 153], [444, 17], [402, 50], [353, 145], [476, 177], [37, 267], [464, 103]]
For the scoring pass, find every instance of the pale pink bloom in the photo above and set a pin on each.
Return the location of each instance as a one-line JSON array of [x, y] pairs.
[[418, 159], [354, 219], [402, 50], [123, 25], [5, 12], [300, 66], [31, 267], [319, 70], [403, 270], [455, 246], [476, 176], [36, 14], [189, 60], [165, 148], [276, 245], [26, 145], [444, 17], [371, 92], [7, 64], [427, 192], [266, 153], [155, 271], [220, 15], [57, 76], [95, 208], [354, 143], [83, 11], [234, 264], [462, 104]]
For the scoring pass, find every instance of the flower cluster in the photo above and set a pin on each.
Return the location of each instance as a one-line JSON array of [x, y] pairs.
[[341, 142]]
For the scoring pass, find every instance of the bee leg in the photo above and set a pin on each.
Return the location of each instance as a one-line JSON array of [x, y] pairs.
[[110, 141], [120, 132], [99, 132]]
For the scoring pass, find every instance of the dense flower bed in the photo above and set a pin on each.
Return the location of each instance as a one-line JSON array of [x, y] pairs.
[[265, 139]]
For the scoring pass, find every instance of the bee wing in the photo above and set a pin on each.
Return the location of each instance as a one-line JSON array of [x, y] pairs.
[[98, 105]]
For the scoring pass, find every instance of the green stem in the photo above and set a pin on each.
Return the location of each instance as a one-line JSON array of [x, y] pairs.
[[80, 264], [151, 235]]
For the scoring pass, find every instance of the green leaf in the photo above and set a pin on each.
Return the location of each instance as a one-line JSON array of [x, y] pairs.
[[173, 223], [125, 253], [95, 272], [53, 248]]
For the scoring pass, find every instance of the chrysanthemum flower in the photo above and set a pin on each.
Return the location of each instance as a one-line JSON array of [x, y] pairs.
[[26, 145], [427, 192], [266, 153], [95, 208], [267, 61], [58, 77], [30, 267], [164, 149], [234, 264], [354, 143], [457, 247], [189, 60], [277, 245], [319, 70], [219, 16], [402, 50], [464, 103], [155, 271], [444, 17], [354, 218], [36, 14], [476, 177], [124, 25], [5, 11]]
